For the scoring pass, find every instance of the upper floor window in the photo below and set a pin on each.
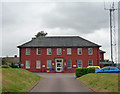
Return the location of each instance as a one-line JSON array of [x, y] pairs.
[[69, 64], [38, 65], [59, 52], [48, 63], [27, 64], [38, 51], [79, 63], [48, 51], [27, 51], [90, 51], [69, 51], [79, 51], [90, 62]]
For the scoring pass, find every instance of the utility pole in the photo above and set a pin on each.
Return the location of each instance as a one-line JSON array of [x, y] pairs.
[[111, 10]]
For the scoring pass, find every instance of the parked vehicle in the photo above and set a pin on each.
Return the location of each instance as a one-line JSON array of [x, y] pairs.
[[108, 69], [96, 67]]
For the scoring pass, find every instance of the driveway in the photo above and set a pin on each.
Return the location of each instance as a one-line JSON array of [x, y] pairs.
[[59, 82]]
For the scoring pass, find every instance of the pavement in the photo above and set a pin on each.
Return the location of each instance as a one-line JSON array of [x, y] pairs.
[[59, 82]]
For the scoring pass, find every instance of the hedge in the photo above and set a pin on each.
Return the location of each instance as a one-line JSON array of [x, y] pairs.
[[5, 66], [82, 71]]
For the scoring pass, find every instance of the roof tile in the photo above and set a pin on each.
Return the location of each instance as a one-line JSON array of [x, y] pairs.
[[59, 41]]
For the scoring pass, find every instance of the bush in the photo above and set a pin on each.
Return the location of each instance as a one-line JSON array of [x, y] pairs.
[[91, 70], [5, 66], [82, 71], [13, 65], [78, 72]]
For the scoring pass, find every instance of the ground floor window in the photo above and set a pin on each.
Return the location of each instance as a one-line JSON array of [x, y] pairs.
[[69, 64], [27, 64], [79, 63], [38, 65], [48, 63], [90, 62]]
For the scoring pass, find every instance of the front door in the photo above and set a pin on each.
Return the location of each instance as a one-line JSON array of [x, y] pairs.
[[59, 65]]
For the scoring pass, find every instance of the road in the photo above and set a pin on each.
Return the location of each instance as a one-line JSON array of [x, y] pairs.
[[59, 82]]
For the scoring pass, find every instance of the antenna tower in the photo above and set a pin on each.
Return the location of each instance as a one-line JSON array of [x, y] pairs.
[[112, 29]]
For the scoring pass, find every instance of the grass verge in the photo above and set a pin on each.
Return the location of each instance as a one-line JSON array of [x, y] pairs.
[[101, 82], [17, 80]]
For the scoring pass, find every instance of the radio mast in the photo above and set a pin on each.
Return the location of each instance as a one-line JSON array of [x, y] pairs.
[[112, 28]]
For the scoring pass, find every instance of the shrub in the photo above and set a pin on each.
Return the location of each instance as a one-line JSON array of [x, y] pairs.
[[5, 66], [78, 72], [82, 71], [13, 65], [91, 70]]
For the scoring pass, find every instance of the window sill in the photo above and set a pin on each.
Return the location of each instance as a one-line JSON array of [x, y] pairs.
[[69, 68], [48, 68], [90, 54]]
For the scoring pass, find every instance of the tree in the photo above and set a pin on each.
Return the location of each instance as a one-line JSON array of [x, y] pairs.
[[41, 33]]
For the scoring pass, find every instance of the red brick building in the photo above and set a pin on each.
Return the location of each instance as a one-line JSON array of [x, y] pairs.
[[59, 54]]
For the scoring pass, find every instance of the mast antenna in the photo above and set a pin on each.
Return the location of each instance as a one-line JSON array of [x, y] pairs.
[[112, 27]]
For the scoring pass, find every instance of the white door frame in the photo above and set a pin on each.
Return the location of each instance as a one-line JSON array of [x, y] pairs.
[[61, 69]]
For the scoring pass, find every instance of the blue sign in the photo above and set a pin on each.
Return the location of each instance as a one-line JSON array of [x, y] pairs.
[[21, 65]]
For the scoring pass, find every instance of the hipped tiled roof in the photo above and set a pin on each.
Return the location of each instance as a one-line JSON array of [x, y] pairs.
[[59, 41]]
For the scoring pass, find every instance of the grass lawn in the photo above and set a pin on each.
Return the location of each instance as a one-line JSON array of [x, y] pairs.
[[17, 80], [101, 82]]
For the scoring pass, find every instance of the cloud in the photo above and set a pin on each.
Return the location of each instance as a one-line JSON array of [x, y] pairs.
[[82, 17], [102, 38], [21, 21]]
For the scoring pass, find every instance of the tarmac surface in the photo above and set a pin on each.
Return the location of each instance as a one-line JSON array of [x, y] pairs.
[[59, 82]]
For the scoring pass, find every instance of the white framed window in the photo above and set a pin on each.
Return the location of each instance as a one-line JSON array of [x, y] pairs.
[[38, 51], [48, 64], [27, 51], [69, 64], [90, 51], [27, 64], [38, 65], [79, 50], [79, 63], [49, 51], [69, 51], [90, 62], [59, 52]]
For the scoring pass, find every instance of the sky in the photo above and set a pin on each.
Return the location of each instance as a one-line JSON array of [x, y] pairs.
[[22, 20]]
